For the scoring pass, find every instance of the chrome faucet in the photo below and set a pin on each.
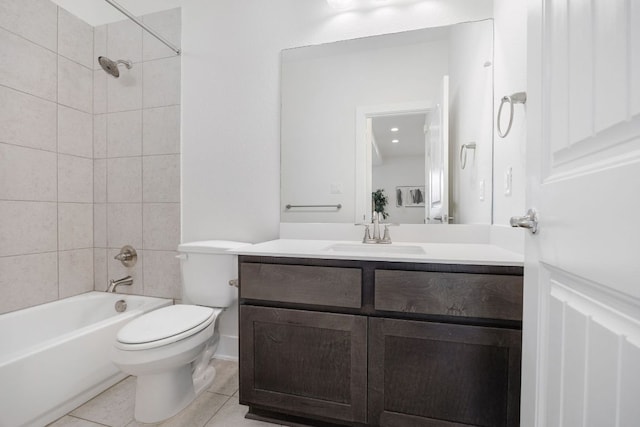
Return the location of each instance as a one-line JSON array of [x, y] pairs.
[[376, 227], [113, 284], [386, 238]]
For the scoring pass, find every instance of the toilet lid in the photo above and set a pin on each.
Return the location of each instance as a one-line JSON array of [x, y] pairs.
[[166, 322]]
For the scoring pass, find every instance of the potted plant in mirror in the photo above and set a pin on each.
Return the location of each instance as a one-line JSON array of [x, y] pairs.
[[380, 201]]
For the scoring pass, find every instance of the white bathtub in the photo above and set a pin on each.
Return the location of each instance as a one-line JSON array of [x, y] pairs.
[[55, 356]]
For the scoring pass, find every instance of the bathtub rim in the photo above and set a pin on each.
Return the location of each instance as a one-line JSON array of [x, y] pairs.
[[157, 302]]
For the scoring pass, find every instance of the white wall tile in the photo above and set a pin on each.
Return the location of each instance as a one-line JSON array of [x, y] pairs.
[[75, 38], [75, 226], [124, 225], [161, 178], [124, 134], [28, 227], [99, 136], [161, 130], [100, 181], [124, 41], [75, 132], [124, 180], [35, 20], [100, 225], [27, 67], [36, 273], [161, 226], [75, 272], [75, 179], [27, 174], [27, 120], [125, 92], [115, 271], [167, 23], [99, 44], [99, 91], [75, 85], [161, 82], [162, 274], [100, 269]]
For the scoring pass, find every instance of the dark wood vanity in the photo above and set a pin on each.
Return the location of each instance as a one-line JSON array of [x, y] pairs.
[[370, 343]]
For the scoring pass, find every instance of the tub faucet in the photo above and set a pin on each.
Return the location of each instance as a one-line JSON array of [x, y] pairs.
[[113, 284]]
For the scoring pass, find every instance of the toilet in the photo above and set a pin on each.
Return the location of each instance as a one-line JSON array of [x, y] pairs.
[[169, 349]]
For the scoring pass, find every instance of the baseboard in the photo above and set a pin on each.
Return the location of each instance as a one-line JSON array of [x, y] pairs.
[[227, 348]]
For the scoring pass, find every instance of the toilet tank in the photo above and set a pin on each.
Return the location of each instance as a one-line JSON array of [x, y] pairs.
[[206, 271]]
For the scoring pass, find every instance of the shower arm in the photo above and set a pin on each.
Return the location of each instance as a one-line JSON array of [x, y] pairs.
[[144, 27]]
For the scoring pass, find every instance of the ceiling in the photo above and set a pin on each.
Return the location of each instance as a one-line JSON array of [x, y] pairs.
[[98, 12], [410, 135]]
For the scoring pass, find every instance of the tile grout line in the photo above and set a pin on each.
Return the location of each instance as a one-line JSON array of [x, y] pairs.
[[142, 234], [219, 409], [57, 151]]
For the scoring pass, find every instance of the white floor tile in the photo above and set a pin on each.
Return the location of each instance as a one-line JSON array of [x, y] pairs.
[[226, 380], [232, 415], [113, 408], [195, 415]]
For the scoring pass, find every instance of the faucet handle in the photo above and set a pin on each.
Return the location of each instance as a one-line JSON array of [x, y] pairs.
[[386, 238], [367, 233], [127, 256]]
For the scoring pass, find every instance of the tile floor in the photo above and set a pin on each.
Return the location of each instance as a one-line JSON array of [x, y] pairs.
[[216, 407]]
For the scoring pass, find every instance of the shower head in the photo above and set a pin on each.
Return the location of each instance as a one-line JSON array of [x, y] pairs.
[[111, 67]]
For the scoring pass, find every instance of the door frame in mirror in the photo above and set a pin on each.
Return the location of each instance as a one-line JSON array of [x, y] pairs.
[[363, 186]]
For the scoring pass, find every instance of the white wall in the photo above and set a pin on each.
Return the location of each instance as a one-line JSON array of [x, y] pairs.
[[510, 76], [320, 96], [470, 118]]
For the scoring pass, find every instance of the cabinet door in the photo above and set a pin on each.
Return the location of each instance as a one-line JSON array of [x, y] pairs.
[[304, 362], [433, 374]]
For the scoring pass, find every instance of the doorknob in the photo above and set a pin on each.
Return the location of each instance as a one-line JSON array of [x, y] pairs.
[[530, 221]]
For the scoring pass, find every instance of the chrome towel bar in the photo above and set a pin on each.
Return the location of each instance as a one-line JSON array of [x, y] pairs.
[[338, 206]]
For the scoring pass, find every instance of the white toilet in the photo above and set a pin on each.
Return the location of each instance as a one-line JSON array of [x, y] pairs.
[[169, 349]]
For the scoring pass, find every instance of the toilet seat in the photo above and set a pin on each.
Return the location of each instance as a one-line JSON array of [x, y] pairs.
[[165, 326]]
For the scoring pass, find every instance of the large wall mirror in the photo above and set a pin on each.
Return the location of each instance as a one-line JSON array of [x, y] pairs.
[[405, 115]]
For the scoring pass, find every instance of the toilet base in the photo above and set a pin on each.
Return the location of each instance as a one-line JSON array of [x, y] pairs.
[[161, 396]]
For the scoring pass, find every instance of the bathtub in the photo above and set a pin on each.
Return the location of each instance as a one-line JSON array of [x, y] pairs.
[[56, 356]]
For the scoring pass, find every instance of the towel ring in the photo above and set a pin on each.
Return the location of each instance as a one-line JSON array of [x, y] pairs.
[[463, 153], [516, 98]]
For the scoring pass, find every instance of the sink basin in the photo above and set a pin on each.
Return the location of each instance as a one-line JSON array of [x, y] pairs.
[[375, 248]]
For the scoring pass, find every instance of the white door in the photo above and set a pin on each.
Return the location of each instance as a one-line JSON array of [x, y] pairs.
[[581, 328], [437, 160]]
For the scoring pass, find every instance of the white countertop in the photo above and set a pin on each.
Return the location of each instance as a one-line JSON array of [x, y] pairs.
[[442, 253]]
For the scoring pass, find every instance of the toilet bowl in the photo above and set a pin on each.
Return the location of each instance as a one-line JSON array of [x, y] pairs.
[[169, 349]]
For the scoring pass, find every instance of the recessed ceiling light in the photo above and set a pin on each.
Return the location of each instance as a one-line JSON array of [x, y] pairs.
[[394, 129], [395, 141]]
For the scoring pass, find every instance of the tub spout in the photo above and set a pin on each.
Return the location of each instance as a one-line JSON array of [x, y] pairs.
[[113, 284]]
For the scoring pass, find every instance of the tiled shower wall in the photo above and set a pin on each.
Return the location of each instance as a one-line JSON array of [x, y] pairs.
[[137, 155], [50, 149], [46, 193]]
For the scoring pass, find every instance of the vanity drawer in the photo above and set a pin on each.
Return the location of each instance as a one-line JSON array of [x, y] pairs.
[[302, 284], [451, 294]]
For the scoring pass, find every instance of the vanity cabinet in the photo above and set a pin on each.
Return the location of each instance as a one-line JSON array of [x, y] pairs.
[[304, 362], [368, 343], [421, 373]]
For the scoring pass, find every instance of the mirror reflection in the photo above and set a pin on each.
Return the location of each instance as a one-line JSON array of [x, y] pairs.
[[393, 115]]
